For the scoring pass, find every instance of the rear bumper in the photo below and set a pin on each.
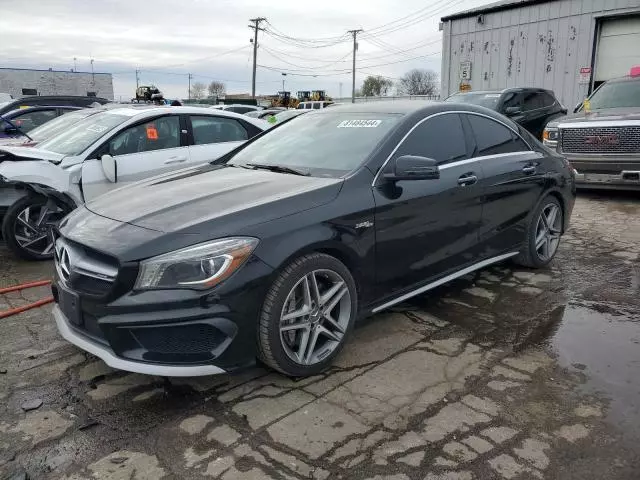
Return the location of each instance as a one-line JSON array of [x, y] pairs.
[[110, 358]]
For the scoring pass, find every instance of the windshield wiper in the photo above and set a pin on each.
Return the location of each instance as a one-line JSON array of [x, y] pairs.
[[16, 128], [278, 168]]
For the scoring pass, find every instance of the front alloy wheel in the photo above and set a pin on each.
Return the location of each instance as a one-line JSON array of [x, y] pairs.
[[307, 315], [315, 317], [28, 225]]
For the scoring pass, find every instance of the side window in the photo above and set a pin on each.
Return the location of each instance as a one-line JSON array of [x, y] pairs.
[[317, 105], [511, 99], [493, 138], [548, 99], [159, 134], [533, 101], [28, 121], [427, 140], [210, 129]]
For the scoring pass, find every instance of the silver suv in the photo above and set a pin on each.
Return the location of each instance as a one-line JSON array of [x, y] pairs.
[[601, 139]]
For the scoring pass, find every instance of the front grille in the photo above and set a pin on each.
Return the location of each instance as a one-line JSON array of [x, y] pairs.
[[180, 339], [605, 140], [84, 270]]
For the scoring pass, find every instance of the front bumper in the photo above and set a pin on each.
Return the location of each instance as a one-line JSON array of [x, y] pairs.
[[166, 332], [109, 357], [606, 172]]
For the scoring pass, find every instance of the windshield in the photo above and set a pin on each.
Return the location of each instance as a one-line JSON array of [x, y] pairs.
[[81, 135], [58, 125], [489, 100], [616, 95], [322, 144]]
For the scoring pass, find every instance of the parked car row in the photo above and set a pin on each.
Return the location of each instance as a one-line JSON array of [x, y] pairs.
[[107, 149], [200, 240]]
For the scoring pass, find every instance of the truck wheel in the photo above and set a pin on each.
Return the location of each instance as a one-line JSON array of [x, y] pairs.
[[27, 227]]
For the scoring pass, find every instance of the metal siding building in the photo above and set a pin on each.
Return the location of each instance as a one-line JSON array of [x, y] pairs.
[[541, 43], [55, 82]]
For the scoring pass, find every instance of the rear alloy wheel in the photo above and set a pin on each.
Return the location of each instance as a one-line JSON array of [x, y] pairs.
[[543, 234], [307, 315], [28, 225]]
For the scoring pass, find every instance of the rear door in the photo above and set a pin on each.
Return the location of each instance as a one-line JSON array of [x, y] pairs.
[[514, 179], [142, 150], [425, 228], [214, 136]]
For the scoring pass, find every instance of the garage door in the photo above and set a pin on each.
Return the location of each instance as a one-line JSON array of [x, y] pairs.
[[619, 48]]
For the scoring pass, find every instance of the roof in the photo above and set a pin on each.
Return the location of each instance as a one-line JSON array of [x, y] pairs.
[[390, 106], [493, 7], [52, 71], [144, 111]]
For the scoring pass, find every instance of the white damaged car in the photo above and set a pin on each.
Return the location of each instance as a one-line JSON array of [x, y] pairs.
[[39, 186]]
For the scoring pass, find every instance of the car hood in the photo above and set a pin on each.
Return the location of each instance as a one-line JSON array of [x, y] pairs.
[[609, 114], [19, 153], [216, 200]]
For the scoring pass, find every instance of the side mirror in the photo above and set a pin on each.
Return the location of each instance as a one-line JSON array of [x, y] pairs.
[[110, 167], [512, 111], [411, 167]]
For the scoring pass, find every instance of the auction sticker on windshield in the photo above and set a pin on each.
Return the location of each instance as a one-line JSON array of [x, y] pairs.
[[359, 124], [97, 128]]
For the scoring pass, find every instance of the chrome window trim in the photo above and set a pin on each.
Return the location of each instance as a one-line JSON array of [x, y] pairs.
[[375, 178], [484, 157]]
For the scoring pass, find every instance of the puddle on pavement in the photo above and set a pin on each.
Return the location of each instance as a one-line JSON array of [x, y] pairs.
[[603, 342]]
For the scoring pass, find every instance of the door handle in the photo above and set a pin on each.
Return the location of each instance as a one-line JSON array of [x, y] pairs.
[[529, 169], [465, 180], [175, 160]]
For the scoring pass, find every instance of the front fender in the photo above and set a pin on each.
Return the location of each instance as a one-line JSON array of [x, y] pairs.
[[43, 177]]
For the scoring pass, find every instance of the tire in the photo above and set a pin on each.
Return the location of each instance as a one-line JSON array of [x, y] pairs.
[[535, 253], [283, 350], [16, 234]]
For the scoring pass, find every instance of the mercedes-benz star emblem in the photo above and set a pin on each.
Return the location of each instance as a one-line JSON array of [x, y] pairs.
[[64, 265]]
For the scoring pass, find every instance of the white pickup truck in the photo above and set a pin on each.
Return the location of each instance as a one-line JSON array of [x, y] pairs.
[[39, 186]]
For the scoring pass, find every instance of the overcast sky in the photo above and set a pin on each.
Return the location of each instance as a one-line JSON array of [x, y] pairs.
[[167, 39]]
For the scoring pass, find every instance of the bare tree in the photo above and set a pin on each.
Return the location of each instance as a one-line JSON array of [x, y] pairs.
[[216, 89], [419, 82], [197, 90], [374, 86]]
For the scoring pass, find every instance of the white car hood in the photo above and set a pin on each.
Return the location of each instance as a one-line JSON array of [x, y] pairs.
[[21, 153]]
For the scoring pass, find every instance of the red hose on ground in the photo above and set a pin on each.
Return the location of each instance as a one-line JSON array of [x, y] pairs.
[[24, 286], [24, 308]]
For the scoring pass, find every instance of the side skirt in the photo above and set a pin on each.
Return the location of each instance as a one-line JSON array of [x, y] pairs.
[[443, 280]]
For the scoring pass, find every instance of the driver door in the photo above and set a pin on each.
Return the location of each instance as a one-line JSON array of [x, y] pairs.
[[140, 151]]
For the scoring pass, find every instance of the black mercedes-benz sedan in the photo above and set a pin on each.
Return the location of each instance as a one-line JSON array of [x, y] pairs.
[[274, 251]]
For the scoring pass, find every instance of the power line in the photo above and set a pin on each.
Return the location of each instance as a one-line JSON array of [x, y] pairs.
[[270, 52]]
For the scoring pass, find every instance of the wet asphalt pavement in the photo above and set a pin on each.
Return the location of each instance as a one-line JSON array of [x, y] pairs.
[[505, 374]]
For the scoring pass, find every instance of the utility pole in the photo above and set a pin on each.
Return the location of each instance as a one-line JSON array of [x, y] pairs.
[[137, 79], [189, 92], [256, 26], [355, 48], [283, 75]]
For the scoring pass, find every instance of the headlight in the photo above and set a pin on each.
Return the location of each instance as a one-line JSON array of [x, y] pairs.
[[550, 137], [201, 266]]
